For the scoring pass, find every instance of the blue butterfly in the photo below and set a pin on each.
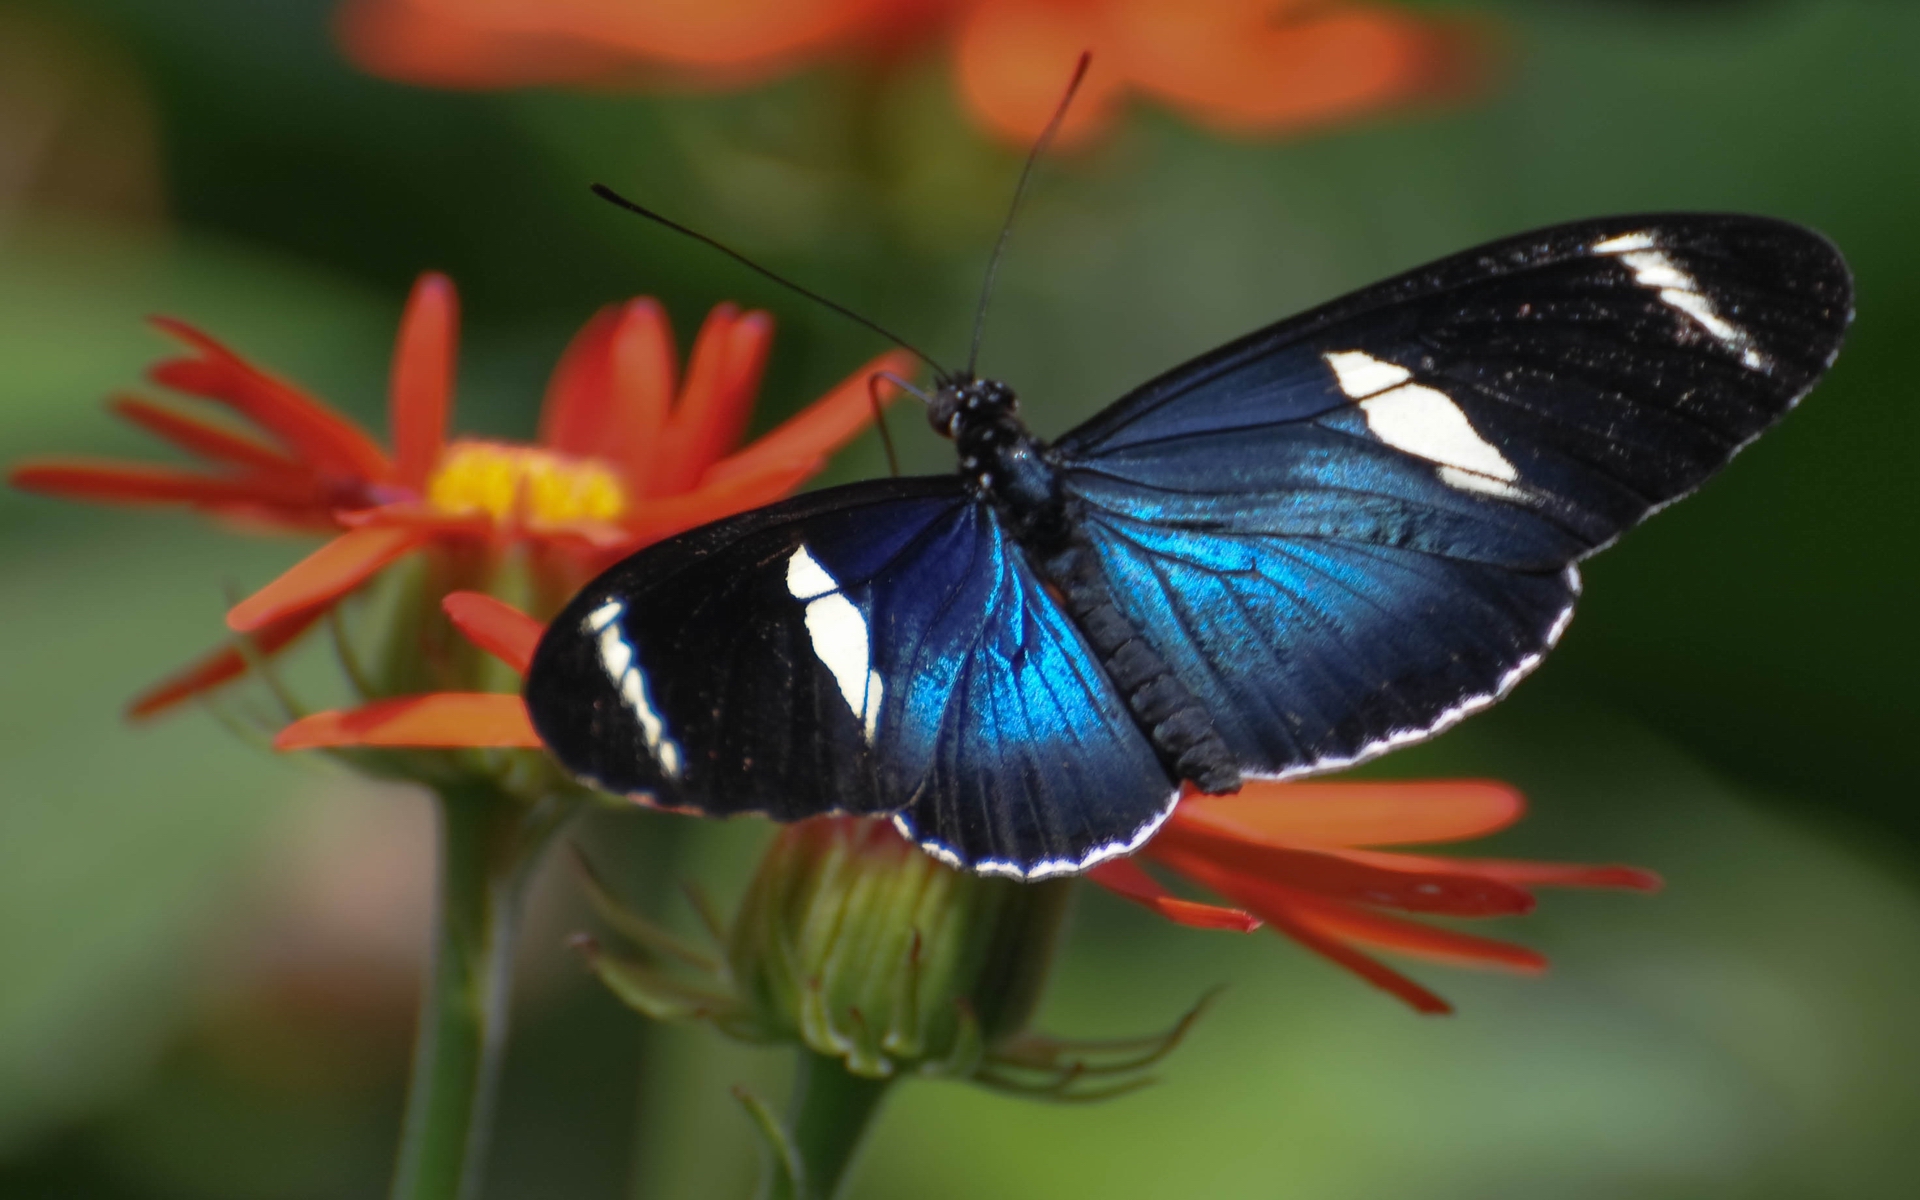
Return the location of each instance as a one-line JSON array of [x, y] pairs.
[[1337, 535]]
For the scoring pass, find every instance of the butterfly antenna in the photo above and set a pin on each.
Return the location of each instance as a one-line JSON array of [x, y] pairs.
[[1019, 191], [612, 197]]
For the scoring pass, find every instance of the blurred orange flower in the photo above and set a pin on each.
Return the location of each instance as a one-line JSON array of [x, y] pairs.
[[1243, 66], [1291, 855], [1295, 856], [631, 450]]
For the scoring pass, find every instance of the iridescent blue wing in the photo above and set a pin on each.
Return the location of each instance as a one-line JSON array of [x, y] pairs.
[[1348, 529], [877, 648]]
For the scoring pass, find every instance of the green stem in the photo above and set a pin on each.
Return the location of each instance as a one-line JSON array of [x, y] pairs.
[[489, 844], [828, 1117]]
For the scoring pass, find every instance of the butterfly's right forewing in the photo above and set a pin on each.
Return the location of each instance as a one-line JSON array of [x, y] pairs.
[[1348, 529]]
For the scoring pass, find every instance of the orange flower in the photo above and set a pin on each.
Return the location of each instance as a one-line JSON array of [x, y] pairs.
[[1289, 854], [1246, 66], [440, 720], [630, 451]]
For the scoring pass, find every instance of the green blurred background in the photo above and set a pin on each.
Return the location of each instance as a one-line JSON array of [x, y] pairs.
[[208, 958]]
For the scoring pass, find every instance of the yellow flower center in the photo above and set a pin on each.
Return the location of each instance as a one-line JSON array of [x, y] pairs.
[[541, 487]]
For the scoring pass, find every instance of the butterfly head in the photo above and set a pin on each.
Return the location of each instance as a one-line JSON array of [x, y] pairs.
[[964, 402]]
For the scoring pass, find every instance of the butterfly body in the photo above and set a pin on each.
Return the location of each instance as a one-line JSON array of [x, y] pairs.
[[1336, 535], [1015, 473]]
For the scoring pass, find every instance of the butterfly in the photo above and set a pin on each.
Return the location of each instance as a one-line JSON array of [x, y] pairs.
[[1334, 536]]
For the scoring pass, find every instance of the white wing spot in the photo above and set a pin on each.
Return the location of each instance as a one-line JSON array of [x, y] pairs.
[[620, 663], [603, 616], [1362, 375], [1679, 291], [1652, 268], [839, 633], [1624, 243], [1425, 423]]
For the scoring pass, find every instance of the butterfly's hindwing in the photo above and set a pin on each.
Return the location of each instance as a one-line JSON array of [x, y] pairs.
[[1037, 767]]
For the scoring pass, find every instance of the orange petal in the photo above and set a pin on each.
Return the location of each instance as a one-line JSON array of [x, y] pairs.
[[323, 576], [1424, 885], [668, 515], [421, 391], [1347, 922], [312, 431], [1567, 875], [436, 721], [1357, 813], [450, 48], [421, 518], [116, 483], [1242, 70], [495, 626], [823, 427], [1366, 967], [639, 382], [221, 666], [204, 439], [573, 415], [717, 398], [1124, 877], [452, 43], [1013, 59], [1274, 905]]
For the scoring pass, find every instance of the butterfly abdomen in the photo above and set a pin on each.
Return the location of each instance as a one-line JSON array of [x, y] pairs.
[[1173, 718], [1010, 469]]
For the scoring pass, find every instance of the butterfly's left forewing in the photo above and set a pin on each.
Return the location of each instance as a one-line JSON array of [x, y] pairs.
[[1347, 530], [876, 648]]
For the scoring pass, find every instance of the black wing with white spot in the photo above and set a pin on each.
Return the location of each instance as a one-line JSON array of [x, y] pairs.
[[1348, 529]]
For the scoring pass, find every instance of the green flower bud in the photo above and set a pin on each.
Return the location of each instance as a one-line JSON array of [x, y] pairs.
[[857, 944]]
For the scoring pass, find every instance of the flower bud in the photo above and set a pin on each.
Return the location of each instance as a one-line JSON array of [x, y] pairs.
[[856, 945], [854, 942]]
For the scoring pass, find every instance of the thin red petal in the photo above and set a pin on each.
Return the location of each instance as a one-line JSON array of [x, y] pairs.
[[204, 439], [222, 666], [668, 515], [825, 426], [1357, 813], [421, 392], [1430, 886], [117, 483], [1125, 878], [1273, 905], [436, 721], [1348, 922], [1365, 966], [1567, 875], [495, 626], [422, 518], [573, 416], [323, 576], [309, 429], [706, 425], [640, 370]]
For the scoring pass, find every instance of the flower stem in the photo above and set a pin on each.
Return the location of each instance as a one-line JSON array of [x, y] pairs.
[[489, 844], [828, 1116]]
